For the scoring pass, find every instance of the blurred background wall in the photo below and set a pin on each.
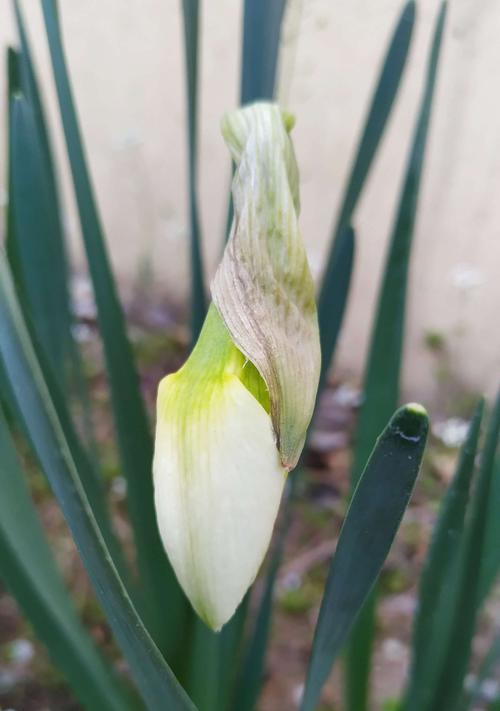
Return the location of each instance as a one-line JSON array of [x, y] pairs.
[[126, 64]]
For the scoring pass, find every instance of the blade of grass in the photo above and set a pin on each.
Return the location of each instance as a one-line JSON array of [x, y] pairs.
[[191, 15], [55, 451], [134, 438], [438, 584], [373, 518], [451, 681], [381, 381], [28, 570], [375, 123]]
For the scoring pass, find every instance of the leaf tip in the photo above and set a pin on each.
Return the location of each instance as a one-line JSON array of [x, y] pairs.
[[411, 422]]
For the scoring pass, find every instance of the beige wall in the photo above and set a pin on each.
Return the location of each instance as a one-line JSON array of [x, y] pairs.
[[126, 64]]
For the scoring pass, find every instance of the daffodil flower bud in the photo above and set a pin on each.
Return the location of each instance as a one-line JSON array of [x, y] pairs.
[[232, 421]]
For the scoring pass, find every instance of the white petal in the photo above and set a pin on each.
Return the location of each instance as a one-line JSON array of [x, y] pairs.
[[218, 483]]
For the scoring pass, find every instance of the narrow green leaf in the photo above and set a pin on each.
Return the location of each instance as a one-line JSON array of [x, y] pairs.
[[30, 88], [261, 40], [35, 239], [375, 123], [191, 15], [134, 437], [13, 87], [490, 566], [59, 275], [28, 569], [55, 451], [41, 263], [333, 298], [450, 685], [373, 518], [36, 257], [252, 667], [204, 667], [438, 585], [381, 381], [231, 649]]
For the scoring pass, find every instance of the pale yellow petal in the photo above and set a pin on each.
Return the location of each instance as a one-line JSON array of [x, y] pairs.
[[218, 483]]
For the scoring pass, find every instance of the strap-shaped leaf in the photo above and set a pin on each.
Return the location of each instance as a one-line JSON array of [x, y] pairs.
[[456, 661], [263, 288], [28, 569], [438, 590], [381, 380], [261, 40], [41, 262], [252, 667], [34, 248], [338, 269], [191, 15], [154, 678], [58, 280], [134, 437], [204, 673], [35, 237], [490, 568], [372, 520]]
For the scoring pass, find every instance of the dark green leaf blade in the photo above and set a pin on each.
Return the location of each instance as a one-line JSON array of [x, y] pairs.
[[381, 381], [154, 678], [134, 438], [59, 277], [204, 667], [438, 584], [191, 15], [376, 510], [376, 121], [28, 569], [252, 667], [41, 261], [261, 40], [450, 685], [490, 567], [35, 237], [34, 248]]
